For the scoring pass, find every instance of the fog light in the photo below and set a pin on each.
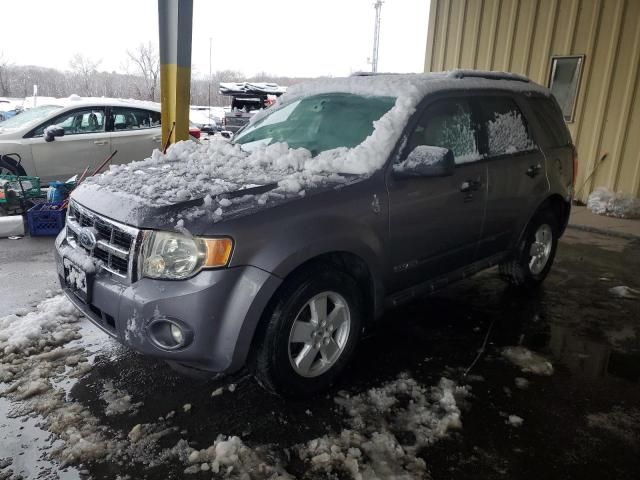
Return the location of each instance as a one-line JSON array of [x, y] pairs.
[[169, 334], [176, 334]]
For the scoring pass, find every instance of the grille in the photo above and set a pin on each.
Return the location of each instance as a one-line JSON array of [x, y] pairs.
[[115, 243]]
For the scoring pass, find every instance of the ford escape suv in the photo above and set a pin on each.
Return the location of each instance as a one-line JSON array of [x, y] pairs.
[[276, 250]]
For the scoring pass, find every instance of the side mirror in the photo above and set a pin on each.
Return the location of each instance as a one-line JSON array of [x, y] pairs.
[[53, 131], [426, 161]]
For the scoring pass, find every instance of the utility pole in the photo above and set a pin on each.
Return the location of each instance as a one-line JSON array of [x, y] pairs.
[[376, 37], [209, 83], [175, 21]]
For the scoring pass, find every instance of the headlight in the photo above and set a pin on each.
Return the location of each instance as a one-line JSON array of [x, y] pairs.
[[173, 256]]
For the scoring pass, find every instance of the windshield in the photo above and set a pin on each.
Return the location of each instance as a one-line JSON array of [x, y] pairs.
[[318, 123], [32, 115]]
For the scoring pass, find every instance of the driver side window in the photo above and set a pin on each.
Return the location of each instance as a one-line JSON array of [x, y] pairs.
[[85, 120], [448, 124]]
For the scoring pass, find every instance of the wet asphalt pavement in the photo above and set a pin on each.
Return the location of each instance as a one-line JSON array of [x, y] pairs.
[[582, 422]]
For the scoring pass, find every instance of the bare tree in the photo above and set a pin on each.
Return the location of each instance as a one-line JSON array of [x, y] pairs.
[[147, 61], [4, 67], [85, 69]]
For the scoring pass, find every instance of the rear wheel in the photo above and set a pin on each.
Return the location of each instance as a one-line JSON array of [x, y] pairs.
[[8, 166], [311, 333], [534, 256]]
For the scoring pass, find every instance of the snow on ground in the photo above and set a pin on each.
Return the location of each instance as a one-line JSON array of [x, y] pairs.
[[118, 401], [53, 323], [515, 420], [527, 360], [385, 427], [622, 291], [522, 383], [603, 201], [620, 421]]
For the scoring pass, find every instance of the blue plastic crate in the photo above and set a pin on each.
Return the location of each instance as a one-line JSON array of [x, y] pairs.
[[46, 219]]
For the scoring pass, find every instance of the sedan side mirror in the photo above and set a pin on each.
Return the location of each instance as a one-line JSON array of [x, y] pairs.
[[53, 131], [426, 161]]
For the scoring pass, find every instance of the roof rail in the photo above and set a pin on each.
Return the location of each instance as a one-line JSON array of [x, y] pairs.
[[372, 74], [488, 75]]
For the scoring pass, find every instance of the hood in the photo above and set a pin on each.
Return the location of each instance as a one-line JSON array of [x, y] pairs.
[[197, 215], [196, 184]]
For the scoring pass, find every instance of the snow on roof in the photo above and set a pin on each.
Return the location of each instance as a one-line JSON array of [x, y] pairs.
[[251, 88], [415, 84], [76, 100]]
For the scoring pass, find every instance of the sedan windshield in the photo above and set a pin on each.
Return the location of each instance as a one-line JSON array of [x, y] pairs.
[[32, 115], [318, 123]]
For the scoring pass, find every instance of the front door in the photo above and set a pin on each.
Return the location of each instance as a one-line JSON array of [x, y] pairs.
[[85, 144], [436, 222]]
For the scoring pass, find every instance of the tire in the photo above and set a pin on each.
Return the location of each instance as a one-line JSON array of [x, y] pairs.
[[533, 258], [8, 166], [287, 361]]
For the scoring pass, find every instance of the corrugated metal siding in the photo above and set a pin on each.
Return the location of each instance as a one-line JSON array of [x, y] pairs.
[[522, 35]]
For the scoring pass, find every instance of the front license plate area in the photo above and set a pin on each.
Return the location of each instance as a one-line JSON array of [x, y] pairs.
[[77, 280]]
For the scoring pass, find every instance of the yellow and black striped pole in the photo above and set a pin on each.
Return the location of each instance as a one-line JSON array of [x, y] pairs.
[[175, 19]]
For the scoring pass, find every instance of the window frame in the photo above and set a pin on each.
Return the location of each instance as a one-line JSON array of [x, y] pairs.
[[111, 119], [483, 144], [421, 111], [54, 121], [552, 70]]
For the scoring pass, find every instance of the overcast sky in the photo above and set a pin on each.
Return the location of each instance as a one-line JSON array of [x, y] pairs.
[[283, 37]]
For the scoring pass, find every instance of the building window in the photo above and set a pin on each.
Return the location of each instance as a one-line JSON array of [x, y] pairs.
[[564, 81]]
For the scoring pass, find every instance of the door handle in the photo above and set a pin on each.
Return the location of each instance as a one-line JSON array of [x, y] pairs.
[[533, 170], [470, 186], [100, 142]]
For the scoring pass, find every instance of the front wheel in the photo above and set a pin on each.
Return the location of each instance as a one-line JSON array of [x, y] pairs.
[[534, 256], [311, 333]]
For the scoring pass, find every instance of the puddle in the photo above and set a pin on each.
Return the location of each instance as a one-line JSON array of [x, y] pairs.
[[22, 440]]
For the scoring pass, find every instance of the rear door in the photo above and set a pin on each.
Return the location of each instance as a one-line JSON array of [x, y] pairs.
[[435, 223], [516, 168], [135, 132], [85, 143]]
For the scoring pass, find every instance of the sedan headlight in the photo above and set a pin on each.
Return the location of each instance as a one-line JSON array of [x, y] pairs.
[[173, 256]]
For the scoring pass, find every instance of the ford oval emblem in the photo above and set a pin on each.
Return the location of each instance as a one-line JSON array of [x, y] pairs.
[[87, 238]]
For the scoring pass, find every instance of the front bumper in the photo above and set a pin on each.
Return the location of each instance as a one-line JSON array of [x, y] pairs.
[[221, 309]]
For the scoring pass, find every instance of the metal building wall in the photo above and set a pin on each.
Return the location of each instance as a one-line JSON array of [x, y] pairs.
[[522, 35]]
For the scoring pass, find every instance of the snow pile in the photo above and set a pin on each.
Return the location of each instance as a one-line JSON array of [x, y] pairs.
[[53, 323], [622, 291], [603, 201], [118, 402], [388, 427], [527, 360], [623, 423], [209, 170], [227, 456], [515, 420]]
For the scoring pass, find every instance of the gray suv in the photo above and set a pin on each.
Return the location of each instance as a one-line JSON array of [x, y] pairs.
[[277, 250]]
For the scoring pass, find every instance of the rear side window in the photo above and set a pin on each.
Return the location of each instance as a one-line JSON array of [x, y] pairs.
[[448, 124], [504, 126], [551, 122], [133, 118]]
